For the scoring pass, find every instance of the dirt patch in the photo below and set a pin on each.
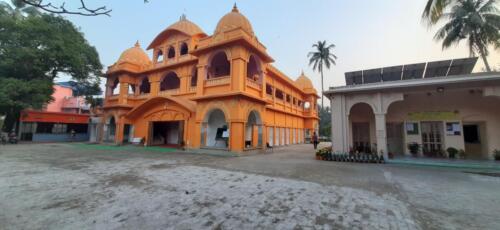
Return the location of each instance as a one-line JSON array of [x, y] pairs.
[[126, 180], [160, 166]]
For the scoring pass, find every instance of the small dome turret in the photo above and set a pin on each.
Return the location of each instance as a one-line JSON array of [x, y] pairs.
[[305, 83]]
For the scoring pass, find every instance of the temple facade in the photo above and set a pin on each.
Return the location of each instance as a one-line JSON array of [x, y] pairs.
[[206, 91]]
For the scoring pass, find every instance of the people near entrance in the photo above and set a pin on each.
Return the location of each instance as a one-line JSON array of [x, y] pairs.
[[12, 137], [315, 140]]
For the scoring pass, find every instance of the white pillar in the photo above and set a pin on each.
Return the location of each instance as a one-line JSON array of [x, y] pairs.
[[339, 124], [381, 134]]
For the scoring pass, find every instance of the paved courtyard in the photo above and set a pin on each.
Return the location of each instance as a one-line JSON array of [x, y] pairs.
[[75, 186]]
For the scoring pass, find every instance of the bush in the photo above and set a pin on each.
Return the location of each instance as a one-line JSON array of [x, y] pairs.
[[496, 154], [324, 152], [414, 148], [452, 152]]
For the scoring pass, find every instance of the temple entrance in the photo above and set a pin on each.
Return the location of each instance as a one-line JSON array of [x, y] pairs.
[[361, 137], [253, 131], [214, 130], [167, 133], [432, 138]]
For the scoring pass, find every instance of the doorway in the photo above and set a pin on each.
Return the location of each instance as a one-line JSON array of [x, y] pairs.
[[167, 133], [432, 138], [473, 133]]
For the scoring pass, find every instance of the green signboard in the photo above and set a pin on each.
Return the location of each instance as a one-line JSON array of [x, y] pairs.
[[433, 116]]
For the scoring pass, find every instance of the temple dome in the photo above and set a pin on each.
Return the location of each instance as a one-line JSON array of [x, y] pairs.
[[185, 26], [232, 20], [134, 55], [182, 26], [305, 83]]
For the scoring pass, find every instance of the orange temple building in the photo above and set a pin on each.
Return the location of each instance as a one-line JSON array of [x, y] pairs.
[[200, 91]]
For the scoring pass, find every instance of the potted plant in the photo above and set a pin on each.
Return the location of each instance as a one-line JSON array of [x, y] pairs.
[[452, 152], [496, 154], [414, 148]]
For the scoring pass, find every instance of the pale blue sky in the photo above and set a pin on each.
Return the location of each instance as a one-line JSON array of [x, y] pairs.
[[367, 33]]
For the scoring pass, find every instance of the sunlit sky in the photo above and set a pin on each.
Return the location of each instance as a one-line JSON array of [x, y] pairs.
[[367, 33]]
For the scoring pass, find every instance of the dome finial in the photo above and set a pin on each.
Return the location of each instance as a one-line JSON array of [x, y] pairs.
[[235, 8], [137, 44], [183, 17], [302, 72]]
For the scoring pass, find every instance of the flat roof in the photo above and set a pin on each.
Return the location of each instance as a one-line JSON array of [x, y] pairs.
[[466, 78]]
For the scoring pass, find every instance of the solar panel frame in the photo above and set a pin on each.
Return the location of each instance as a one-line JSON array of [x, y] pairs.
[[393, 73], [372, 75], [413, 71], [437, 69], [462, 66]]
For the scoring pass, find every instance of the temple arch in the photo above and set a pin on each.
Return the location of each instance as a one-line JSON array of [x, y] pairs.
[[171, 52], [145, 86], [170, 81], [110, 131], [219, 65], [215, 130], [184, 48], [253, 130], [253, 69]]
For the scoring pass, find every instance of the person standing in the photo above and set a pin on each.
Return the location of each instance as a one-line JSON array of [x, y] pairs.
[[315, 140]]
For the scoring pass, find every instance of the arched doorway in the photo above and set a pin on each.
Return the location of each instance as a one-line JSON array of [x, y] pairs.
[[362, 121], [253, 131], [110, 129], [253, 69], [145, 86], [214, 130], [219, 66]]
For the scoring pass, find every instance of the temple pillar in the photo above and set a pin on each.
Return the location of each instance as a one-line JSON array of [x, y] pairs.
[[381, 134]]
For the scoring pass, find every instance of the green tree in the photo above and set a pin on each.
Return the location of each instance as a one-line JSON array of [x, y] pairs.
[[476, 21], [322, 56], [325, 122], [35, 49]]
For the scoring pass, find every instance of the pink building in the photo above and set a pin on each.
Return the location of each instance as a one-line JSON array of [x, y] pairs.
[[65, 102]]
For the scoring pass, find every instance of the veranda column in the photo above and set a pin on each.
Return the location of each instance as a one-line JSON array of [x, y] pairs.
[[340, 124], [381, 134]]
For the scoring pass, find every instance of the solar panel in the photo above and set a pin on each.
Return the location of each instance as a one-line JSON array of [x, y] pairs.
[[437, 69], [349, 78], [414, 71], [392, 73], [462, 66], [372, 75], [358, 77]]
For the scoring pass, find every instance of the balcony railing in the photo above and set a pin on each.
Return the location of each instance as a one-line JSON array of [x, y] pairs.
[[218, 81], [254, 84], [192, 89], [169, 92]]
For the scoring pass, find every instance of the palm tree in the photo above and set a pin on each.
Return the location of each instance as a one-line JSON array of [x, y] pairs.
[[477, 21], [322, 56], [434, 9]]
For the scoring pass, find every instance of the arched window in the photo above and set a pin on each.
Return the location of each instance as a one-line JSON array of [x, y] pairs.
[[159, 56], [115, 87], [170, 81], [219, 66], [131, 89], [184, 48], [145, 86], [253, 69], [171, 52], [194, 77]]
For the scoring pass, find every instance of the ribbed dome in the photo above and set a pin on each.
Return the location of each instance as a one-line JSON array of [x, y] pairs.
[[134, 55], [234, 20], [186, 26], [304, 83]]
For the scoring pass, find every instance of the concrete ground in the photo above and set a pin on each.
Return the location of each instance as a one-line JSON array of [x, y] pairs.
[[76, 186]]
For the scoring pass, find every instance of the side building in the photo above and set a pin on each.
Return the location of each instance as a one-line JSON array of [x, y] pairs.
[[57, 119], [198, 91], [419, 109]]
